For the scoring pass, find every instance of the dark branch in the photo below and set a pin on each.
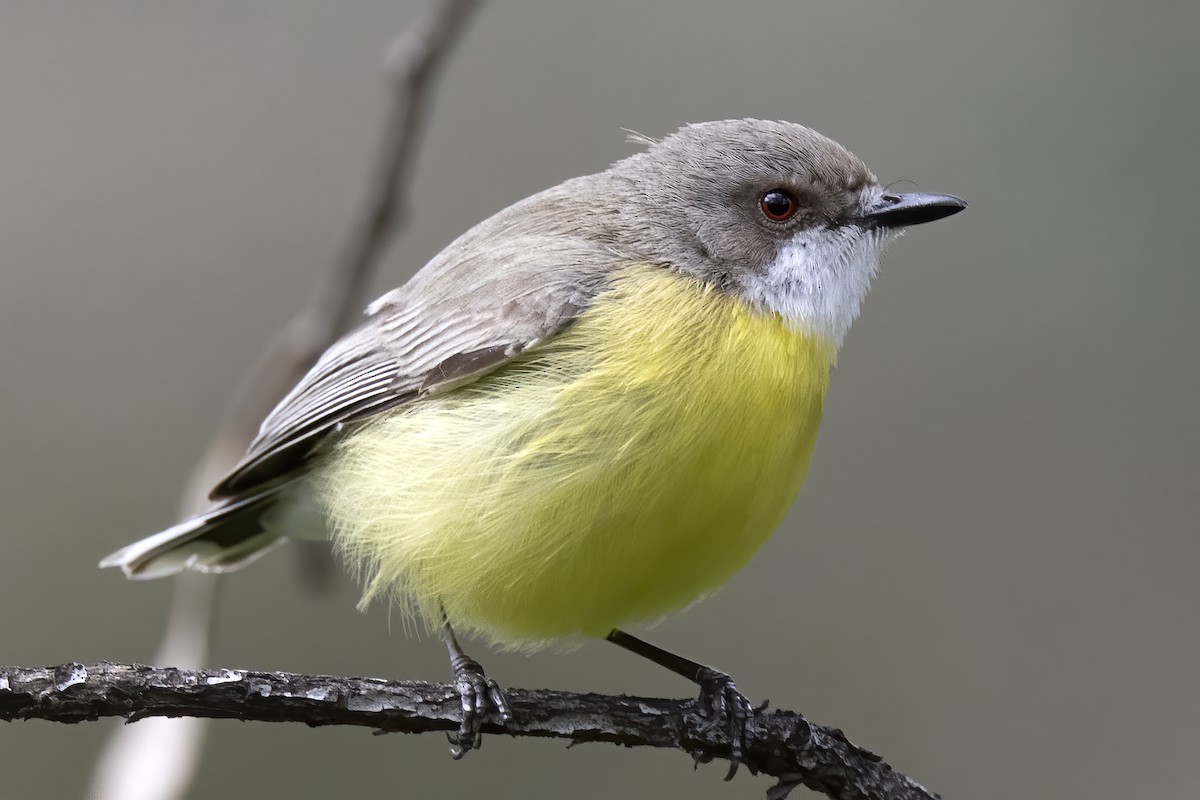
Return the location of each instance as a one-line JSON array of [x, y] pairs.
[[787, 746]]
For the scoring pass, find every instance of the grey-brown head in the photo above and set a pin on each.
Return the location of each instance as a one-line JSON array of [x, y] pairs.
[[772, 211]]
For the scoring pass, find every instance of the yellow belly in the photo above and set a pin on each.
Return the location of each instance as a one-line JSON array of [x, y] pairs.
[[615, 474]]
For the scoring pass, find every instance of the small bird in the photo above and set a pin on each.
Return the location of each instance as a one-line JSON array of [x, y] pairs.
[[589, 410]]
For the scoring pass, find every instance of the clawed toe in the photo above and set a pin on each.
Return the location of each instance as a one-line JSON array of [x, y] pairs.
[[722, 702], [480, 696]]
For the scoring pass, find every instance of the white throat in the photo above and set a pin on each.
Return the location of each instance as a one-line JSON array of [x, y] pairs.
[[819, 278]]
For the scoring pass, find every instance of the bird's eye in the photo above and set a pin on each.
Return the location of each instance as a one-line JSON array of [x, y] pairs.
[[778, 205]]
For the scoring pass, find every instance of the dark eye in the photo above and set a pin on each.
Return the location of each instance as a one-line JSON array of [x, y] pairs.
[[778, 205]]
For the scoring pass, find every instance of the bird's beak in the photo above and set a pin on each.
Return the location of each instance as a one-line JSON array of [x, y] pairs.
[[902, 210]]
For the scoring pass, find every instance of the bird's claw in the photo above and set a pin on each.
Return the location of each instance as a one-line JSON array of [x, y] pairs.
[[722, 702], [480, 696]]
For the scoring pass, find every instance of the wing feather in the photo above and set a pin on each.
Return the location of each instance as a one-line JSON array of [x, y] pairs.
[[491, 295]]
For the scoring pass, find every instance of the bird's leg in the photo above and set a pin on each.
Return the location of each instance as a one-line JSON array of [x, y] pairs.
[[718, 694], [480, 694]]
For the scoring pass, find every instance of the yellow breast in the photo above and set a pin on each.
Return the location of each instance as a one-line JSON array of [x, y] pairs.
[[615, 474]]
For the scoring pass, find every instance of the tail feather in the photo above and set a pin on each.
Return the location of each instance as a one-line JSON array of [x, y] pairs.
[[221, 539]]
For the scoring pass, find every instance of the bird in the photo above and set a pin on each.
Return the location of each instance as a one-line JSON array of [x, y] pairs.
[[588, 411]]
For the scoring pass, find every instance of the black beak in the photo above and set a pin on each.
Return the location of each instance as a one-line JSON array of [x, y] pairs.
[[902, 210]]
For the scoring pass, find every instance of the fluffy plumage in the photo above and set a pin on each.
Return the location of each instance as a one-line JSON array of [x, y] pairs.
[[589, 409], [616, 473]]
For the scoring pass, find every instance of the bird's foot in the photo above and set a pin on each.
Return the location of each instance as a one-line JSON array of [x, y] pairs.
[[722, 702], [480, 696]]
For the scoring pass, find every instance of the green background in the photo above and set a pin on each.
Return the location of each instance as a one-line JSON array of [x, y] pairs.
[[990, 577]]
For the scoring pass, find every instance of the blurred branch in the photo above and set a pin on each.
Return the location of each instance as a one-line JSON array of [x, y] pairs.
[[411, 61], [787, 746], [158, 760]]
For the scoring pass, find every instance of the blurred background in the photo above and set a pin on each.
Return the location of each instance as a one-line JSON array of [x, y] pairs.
[[990, 577]]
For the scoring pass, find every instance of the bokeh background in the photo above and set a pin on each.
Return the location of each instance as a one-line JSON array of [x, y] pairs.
[[990, 577]]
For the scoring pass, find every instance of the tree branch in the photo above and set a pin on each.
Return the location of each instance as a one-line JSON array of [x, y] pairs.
[[411, 59], [411, 62], [787, 746]]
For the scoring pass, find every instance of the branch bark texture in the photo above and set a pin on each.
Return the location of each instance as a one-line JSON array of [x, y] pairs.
[[787, 746]]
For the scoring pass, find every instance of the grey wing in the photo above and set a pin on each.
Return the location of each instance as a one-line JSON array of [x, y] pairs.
[[351, 377], [455, 321]]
